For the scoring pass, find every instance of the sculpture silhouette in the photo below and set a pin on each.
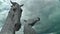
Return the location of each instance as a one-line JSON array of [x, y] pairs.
[[28, 25], [13, 23], [13, 19]]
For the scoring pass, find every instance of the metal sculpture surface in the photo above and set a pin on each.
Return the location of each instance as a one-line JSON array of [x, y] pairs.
[[13, 19], [28, 25], [13, 23]]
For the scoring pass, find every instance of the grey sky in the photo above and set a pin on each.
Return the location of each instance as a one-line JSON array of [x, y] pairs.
[[47, 10]]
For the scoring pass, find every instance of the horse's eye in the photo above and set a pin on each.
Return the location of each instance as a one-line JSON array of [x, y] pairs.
[[14, 9]]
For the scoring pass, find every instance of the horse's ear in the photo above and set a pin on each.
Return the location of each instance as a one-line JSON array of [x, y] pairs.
[[11, 2], [21, 5], [38, 18]]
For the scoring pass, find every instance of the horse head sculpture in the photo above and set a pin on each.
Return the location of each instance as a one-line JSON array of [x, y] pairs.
[[13, 23], [28, 25]]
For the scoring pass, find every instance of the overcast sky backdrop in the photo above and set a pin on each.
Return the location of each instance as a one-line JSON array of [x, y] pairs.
[[47, 10]]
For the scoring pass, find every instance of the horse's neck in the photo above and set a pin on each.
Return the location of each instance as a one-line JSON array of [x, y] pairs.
[[28, 29], [7, 32], [8, 27]]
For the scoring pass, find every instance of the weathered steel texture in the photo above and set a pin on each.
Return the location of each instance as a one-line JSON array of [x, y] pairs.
[[13, 23], [13, 20], [28, 26]]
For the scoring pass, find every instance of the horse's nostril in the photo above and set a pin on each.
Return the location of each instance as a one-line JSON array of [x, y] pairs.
[[17, 26]]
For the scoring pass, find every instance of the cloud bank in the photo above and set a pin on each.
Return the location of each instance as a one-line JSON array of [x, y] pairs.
[[47, 10]]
